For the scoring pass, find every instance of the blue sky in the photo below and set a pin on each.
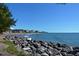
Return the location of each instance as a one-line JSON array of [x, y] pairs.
[[46, 17]]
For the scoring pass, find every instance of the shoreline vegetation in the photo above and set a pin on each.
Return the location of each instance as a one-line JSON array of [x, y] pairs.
[[23, 47]]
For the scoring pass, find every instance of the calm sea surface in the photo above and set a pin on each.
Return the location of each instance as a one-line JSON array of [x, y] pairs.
[[63, 38]]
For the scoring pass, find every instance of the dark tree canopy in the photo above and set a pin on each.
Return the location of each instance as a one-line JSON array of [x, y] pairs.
[[6, 20]]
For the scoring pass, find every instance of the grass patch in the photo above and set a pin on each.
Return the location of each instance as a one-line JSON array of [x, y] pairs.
[[12, 49]]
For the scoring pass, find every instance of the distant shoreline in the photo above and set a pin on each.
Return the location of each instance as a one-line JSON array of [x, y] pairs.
[[19, 33]]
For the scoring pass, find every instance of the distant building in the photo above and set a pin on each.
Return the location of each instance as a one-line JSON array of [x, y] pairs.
[[24, 31]]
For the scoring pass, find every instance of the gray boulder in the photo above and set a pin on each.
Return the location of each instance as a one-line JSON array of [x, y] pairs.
[[41, 49], [76, 49], [49, 52], [44, 54], [63, 53], [66, 49], [26, 48], [77, 54], [37, 54], [33, 48], [53, 52]]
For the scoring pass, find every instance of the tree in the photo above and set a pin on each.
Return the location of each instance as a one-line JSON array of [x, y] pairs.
[[6, 20]]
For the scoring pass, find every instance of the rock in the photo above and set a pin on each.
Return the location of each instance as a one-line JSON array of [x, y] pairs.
[[49, 47], [28, 53], [29, 42], [36, 45], [41, 42], [33, 48], [72, 52], [49, 52], [53, 52], [37, 54], [22, 46], [58, 48], [76, 49], [49, 44], [64, 45], [44, 54], [58, 45], [77, 54], [66, 49], [34, 41], [69, 55], [45, 44], [41, 49], [25, 42], [26, 48], [63, 53], [34, 53]]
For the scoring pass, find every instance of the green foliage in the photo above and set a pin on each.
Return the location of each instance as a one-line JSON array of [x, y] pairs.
[[12, 49], [6, 20]]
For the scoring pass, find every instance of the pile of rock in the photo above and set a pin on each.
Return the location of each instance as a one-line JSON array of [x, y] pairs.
[[43, 48]]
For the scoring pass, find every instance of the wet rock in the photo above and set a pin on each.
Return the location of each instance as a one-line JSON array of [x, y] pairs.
[[41, 42], [49, 44], [58, 45], [64, 45]]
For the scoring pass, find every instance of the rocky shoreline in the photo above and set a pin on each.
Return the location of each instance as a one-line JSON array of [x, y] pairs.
[[43, 48]]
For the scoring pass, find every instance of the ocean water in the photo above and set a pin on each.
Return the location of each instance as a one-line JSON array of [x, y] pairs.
[[63, 38]]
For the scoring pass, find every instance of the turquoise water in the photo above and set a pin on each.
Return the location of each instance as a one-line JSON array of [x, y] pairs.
[[63, 38]]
